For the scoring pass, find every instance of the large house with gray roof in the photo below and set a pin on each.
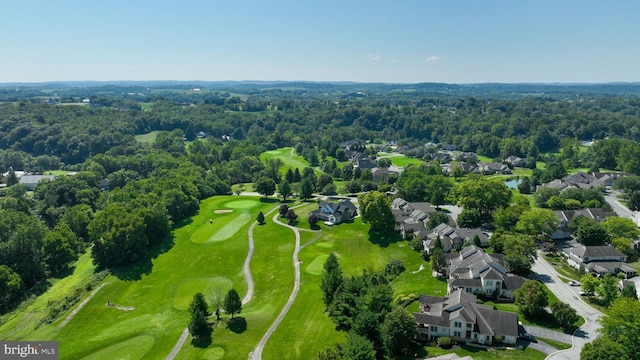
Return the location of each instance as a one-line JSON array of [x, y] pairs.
[[453, 238], [600, 260], [565, 217], [459, 317], [474, 271], [335, 213]]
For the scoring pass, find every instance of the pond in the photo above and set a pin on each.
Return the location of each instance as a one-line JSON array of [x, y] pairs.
[[513, 184]]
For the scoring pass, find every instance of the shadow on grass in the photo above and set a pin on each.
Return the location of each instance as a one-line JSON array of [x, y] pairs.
[[143, 266], [314, 227], [201, 343], [238, 325], [269, 200], [384, 239]]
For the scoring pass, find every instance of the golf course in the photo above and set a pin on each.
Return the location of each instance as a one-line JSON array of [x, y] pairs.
[[139, 312]]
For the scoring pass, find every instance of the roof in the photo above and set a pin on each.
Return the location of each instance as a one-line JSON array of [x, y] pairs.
[[460, 304], [35, 179], [597, 251]]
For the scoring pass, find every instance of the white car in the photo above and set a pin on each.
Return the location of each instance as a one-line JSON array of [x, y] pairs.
[[574, 283]]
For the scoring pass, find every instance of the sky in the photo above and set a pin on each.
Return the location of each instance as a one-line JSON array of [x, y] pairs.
[[400, 41]]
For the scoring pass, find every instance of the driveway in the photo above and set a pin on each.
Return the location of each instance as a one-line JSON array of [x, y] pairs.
[[569, 295], [454, 211]]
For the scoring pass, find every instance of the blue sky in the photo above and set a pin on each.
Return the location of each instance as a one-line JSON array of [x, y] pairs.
[[349, 40]]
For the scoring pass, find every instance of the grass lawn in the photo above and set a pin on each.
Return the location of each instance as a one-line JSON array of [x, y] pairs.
[[556, 344], [289, 159], [58, 172], [487, 354], [148, 138], [161, 289], [403, 160], [561, 266]]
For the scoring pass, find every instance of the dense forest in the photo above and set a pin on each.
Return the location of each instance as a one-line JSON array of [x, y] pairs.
[[90, 129]]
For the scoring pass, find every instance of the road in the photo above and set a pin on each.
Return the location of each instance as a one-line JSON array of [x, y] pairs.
[[617, 206], [569, 295]]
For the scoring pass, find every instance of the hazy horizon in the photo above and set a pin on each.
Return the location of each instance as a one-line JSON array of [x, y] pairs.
[[461, 42]]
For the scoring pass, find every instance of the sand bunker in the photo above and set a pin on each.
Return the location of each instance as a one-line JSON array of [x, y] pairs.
[[223, 211]]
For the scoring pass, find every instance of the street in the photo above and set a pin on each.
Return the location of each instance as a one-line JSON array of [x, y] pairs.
[[569, 295]]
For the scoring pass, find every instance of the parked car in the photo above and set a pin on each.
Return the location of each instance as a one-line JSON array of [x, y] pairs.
[[574, 283], [527, 336]]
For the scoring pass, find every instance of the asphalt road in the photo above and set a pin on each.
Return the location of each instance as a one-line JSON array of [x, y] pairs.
[[617, 206], [569, 295]]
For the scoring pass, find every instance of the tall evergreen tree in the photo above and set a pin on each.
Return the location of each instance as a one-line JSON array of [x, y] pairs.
[[331, 279], [232, 303]]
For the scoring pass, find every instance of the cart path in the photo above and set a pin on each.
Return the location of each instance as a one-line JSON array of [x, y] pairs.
[[246, 269], [257, 352], [80, 306]]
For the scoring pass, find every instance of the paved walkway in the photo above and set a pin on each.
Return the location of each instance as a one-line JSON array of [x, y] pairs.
[[257, 352]]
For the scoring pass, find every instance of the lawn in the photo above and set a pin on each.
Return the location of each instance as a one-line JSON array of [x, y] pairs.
[[403, 160], [161, 293], [289, 159], [490, 354], [148, 138]]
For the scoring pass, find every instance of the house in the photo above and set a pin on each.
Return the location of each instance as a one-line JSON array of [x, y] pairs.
[[381, 174], [32, 180], [201, 135], [447, 169], [459, 316], [583, 180], [634, 281], [565, 216], [474, 271], [335, 213], [493, 168], [453, 238], [516, 161], [411, 218], [599, 260]]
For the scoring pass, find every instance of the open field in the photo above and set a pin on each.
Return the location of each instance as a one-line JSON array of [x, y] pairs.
[[289, 159], [148, 138], [402, 160]]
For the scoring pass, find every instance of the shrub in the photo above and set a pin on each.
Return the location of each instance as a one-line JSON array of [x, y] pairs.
[[445, 342]]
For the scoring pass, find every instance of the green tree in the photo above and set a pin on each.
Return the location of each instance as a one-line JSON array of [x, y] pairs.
[[537, 222], [608, 289], [483, 195], [603, 348], [232, 303], [556, 203], [621, 324], [260, 218], [564, 314], [306, 189], [398, 331], [10, 285], [629, 291], [375, 209], [60, 246], [457, 172], [469, 218], [284, 188], [438, 261], [531, 298], [542, 196], [357, 348], [620, 227], [590, 233], [525, 186], [198, 304], [520, 251], [589, 283], [289, 176], [199, 328], [265, 186], [437, 218]]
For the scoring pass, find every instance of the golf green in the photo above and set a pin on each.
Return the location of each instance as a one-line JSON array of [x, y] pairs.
[[317, 265], [206, 232], [131, 349], [185, 292], [213, 353], [241, 204], [274, 152]]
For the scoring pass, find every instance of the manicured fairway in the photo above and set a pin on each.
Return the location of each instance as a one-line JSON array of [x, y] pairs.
[[185, 291], [132, 349], [288, 160]]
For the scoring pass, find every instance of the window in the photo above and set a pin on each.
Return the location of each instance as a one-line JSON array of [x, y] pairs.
[[457, 324], [456, 333], [468, 325], [488, 338], [489, 282], [434, 328], [475, 336]]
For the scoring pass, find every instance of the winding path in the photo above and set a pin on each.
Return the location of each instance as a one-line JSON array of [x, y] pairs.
[[257, 352], [246, 269]]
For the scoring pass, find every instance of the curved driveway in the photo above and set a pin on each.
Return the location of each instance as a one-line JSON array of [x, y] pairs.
[[567, 294]]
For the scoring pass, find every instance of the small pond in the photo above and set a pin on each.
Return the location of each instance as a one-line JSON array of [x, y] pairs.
[[513, 184]]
